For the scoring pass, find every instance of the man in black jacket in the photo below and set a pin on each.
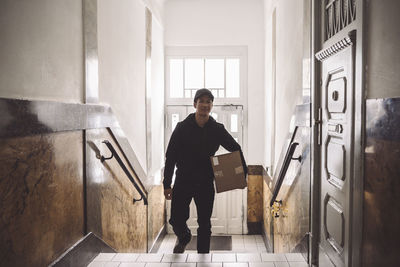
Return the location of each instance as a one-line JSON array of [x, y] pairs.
[[192, 143]]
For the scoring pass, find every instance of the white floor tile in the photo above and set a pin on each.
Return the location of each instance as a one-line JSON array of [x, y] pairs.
[[281, 264], [132, 264], [294, 257], [223, 257], [149, 257], [251, 246], [104, 257], [298, 264], [158, 264], [199, 258], [235, 264], [126, 257], [174, 258], [209, 264], [183, 264], [261, 264], [273, 257], [104, 264], [248, 257]]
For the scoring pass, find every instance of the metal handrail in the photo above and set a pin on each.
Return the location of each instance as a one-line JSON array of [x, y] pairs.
[[122, 165], [282, 173]]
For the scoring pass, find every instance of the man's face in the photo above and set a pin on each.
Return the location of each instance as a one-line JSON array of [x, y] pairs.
[[203, 105]]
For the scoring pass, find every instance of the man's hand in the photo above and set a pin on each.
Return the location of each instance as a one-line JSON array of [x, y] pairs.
[[168, 193]]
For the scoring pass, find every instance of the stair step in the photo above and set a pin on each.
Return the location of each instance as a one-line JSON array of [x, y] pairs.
[[214, 259]]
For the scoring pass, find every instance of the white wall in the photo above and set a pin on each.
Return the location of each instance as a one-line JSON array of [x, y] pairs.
[[121, 35], [157, 95], [226, 23], [289, 69], [121, 49], [41, 50]]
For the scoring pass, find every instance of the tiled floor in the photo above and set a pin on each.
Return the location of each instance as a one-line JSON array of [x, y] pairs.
[[215, 259], [240, 243], [247, 251]]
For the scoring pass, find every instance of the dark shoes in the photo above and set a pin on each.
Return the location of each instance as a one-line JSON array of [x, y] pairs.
[[180, 247]]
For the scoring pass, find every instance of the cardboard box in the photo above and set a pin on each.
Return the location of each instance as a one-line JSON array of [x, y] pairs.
[[228, 172]]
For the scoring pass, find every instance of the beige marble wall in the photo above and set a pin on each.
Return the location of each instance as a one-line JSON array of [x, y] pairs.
[[267, 217], [291, 227], [112, 215], [381, 204], [254, 198], [287, 232], [41, 197], [156, 213]]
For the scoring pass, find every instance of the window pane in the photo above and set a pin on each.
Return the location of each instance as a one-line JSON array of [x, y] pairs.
[[221, 93], [234, 123], [176, 78], [194, 73], [215, 73], [188, 93], [215, 93], [232, 78]]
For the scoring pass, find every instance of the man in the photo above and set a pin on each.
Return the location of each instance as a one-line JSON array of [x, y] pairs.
[[192, 143]]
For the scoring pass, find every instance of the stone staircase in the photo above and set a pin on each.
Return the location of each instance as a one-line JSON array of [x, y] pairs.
[[214, 259], [247, 251]]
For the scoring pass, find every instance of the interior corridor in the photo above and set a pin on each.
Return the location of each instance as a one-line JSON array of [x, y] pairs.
[[92, 90]]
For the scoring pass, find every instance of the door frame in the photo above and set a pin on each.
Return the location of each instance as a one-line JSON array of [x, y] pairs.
[[317, 44], [243, 126]]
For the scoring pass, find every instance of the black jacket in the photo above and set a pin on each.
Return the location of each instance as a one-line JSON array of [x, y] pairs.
[[191, 147]]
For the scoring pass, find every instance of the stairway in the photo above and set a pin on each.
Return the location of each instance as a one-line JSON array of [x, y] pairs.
[[214, 259], [247, 251]]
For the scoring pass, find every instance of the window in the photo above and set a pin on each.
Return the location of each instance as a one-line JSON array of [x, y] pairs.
[[188, 74]]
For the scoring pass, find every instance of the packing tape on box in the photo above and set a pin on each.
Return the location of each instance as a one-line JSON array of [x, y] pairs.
[[218, 174], [215, 161], [239, 170]]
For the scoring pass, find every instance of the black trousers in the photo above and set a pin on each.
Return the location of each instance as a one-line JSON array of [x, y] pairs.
[[203, 195]]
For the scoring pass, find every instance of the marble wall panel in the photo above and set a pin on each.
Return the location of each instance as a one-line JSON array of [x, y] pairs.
[[381, 215], [112, 215], [254, 198], [292, 225], [156, 213], [268, 226], [41, 197]]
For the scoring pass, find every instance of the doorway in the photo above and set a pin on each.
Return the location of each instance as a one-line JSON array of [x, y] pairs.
[[228, 212]]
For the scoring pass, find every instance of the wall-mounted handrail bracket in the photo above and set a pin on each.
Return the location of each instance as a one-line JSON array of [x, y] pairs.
[[122, 165], [282, 172], [298, 158], [135, 200], [102, 158]]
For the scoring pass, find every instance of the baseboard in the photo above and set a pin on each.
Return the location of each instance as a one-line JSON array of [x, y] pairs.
[[254, 228], [160, 237], [83, 252], [268, 243]]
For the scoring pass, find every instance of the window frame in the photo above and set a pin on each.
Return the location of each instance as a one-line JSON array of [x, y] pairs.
[[218, 52]]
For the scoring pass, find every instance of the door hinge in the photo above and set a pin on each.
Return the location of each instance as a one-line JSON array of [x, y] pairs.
[[318, 124]]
